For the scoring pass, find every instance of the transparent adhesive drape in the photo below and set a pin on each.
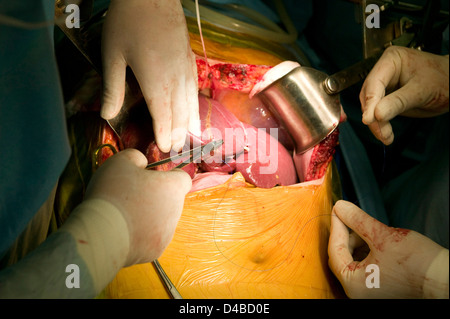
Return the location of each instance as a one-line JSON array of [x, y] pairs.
[[239, 241]]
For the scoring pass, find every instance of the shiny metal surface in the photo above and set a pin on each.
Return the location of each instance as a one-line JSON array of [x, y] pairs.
[[342, 80], [299, 100], [171, 289], [189, 156]]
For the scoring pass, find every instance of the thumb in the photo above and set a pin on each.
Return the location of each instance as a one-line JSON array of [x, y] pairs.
[[114, 75], [133, 156], [398, 102]]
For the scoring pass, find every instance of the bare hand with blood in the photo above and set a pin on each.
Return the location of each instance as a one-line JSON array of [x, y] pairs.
[[151, 202], [410, 265], [404, 82], [151, 38]]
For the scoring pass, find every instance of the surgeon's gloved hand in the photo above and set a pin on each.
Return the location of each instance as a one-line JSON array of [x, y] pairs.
[[151, 38], [128, 216], [410, 265], [150, 201], [405, 82]]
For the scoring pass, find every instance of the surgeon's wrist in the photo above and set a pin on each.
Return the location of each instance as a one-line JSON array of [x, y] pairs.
[[102, 238], [436, 279]]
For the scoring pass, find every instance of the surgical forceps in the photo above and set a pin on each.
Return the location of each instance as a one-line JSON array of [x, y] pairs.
[[194, 154]]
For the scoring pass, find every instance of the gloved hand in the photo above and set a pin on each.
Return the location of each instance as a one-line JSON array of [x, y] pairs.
[[410, 265], [150, 201], [128, 216], [151, 37], [419, 85]]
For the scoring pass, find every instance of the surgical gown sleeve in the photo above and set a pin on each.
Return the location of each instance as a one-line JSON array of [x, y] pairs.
[[34, 147], [77, 261]]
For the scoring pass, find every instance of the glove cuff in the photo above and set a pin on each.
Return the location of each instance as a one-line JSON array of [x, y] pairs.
[[102, 239], [436, 278]]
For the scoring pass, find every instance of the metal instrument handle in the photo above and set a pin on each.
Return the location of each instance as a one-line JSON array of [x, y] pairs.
[[194, 154], [169, 285], [342, 80]]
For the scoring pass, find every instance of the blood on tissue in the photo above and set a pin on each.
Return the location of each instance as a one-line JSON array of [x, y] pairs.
[[108, 137], [240, 77]]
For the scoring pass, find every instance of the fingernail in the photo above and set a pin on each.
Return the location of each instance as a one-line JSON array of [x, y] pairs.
[[178, 138], [178, 146], [165, 148]]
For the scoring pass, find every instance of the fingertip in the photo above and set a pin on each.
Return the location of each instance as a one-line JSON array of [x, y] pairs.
[[163, 145], [342, 206], [180, 121], [387, 140], [368, 116], [112, 100], [135, 156], [386, 135], [113, 88], [337, 225], [367, 119], [381, 133], [162, 135], [350, 215], [162, 117], [109, 111], [178, 137], [194, 125], [177, 147]]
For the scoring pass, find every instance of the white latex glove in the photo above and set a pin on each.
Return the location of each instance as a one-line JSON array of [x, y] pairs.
[[150, 201], [151, 38], [128, 216], [410, 265], [419, 85]]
